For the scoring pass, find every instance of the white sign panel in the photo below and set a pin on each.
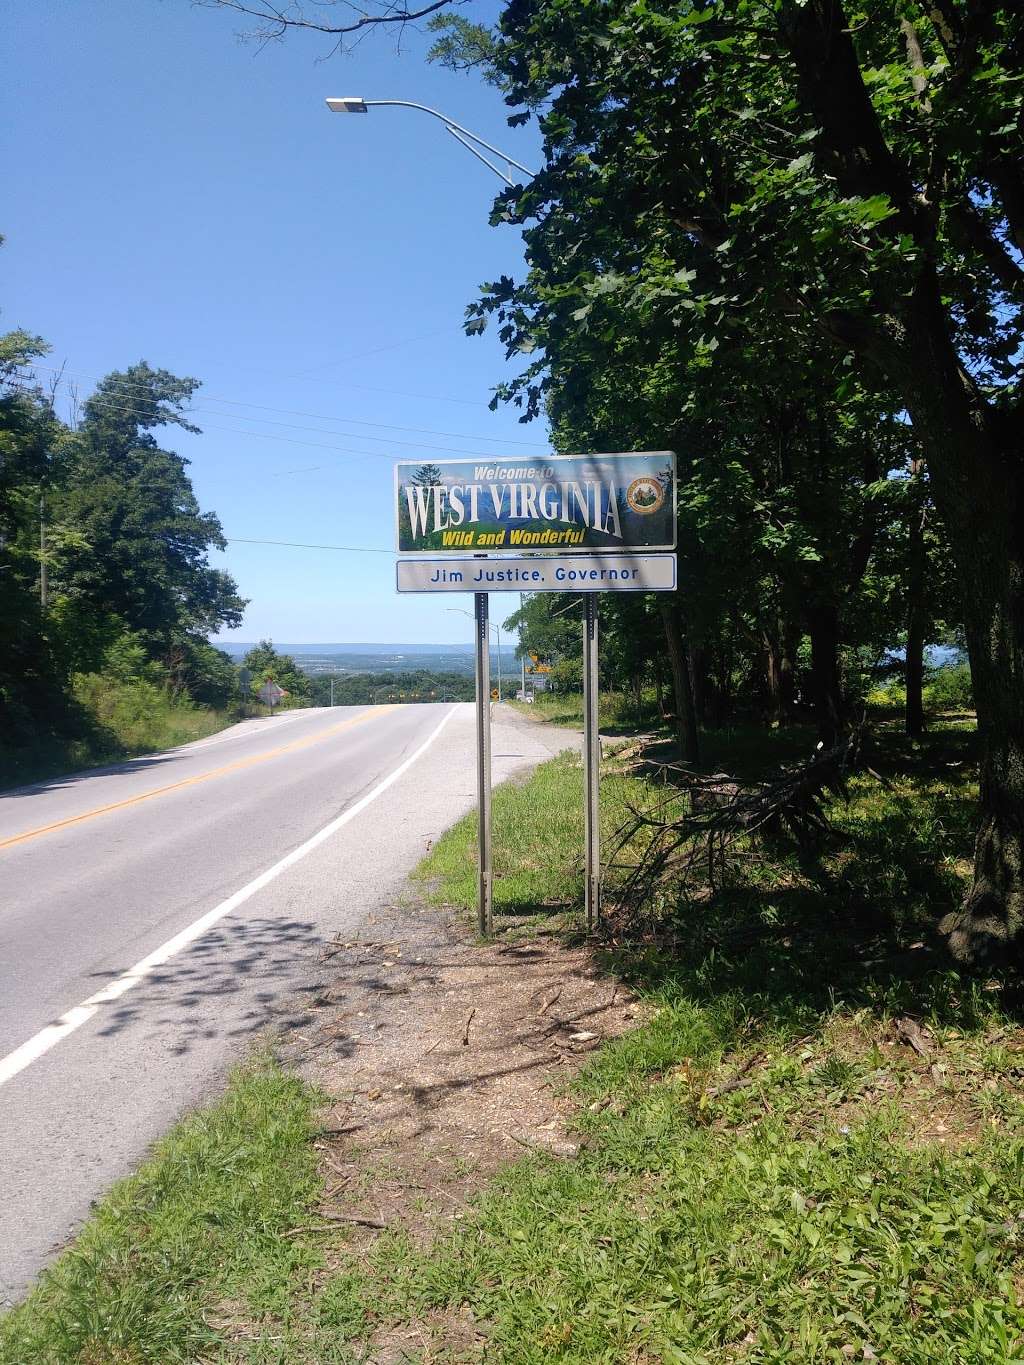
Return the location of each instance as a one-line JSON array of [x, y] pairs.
[[563, 573]]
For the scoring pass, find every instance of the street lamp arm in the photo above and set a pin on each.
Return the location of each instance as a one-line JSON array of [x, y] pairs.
[[352, 104], [502, 175]]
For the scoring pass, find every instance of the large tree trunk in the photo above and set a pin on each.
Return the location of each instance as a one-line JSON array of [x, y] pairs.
[[914, 714], [987, 531], [976, 462], [780, 643], [686, 716], [916, 616], [787, 672], [975, 456], [826, 690]]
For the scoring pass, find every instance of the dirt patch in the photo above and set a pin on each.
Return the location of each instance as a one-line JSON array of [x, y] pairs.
[[444, 1060]]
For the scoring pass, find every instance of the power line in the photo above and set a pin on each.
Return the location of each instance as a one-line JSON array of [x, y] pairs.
[[302, 545], [298, 412], [362, 355], [134, 409]]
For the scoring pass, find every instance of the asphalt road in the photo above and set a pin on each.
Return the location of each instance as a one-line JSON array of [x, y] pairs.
[[155, 916]]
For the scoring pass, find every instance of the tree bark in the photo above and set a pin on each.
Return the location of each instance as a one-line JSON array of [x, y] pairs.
[[773, 675], [787, 672], [826, 690], [916, 623], [697, 658], [984, 509], [686, 716]]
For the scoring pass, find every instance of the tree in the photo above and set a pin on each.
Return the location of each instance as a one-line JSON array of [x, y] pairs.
[[144, 564], [792, 171], [266, 665]]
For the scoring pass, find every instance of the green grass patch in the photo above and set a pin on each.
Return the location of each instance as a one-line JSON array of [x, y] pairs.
[[195, 1236], [537, 842], [812, 1211], [107, 720], [616, 711], [728, 1235]]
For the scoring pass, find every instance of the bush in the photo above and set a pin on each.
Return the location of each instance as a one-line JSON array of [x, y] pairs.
[[950, 689]]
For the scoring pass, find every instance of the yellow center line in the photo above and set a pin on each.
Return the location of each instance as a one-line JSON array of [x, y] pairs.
[[194, 781]]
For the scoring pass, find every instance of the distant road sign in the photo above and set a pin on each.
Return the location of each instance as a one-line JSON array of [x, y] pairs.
[[561, 573], [270, 694], [244, 679], [495, 694]]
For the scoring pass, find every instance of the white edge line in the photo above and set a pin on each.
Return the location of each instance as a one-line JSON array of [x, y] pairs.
[[50, 1036]]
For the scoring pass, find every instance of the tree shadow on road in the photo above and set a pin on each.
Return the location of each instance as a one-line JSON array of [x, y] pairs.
[[239, 978]]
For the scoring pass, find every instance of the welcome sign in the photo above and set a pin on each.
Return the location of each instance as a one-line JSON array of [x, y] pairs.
[[622, 502]]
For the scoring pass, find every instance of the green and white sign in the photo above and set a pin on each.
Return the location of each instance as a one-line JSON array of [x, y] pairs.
[[561, 503]]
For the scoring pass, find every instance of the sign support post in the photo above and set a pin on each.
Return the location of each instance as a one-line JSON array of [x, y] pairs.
[[591, 761], [485, 909], [555, 523]]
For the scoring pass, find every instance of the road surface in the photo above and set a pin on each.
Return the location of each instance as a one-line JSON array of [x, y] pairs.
[[156, 915]]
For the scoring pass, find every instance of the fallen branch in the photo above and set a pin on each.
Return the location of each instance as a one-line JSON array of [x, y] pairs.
[[356, 1218], [736, 1081]]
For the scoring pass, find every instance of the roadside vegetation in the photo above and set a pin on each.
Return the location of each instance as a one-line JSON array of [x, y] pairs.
[[112, 720], [810, 1149], [206, 1220], [108, 596]]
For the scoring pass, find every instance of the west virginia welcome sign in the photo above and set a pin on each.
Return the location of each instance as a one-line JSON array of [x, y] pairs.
[[610, 503]]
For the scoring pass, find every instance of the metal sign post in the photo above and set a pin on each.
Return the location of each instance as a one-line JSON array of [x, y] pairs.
[[485, 907], [556, 523], [591, 762]]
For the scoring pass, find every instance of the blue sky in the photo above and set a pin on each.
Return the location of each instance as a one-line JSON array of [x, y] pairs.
[[176, 195]]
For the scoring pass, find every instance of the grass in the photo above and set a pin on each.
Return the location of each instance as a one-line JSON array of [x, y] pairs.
[[617, 711], [696, 1230], [769, 1172], [538, 864], [107, 721], [195, 1236]]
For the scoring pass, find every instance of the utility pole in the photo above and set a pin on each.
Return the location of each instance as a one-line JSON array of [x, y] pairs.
[[332, 689]]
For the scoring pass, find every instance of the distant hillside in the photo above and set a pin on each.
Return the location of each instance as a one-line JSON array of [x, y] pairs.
[[317, 659]]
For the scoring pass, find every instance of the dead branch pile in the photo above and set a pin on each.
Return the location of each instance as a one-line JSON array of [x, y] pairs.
[[720, 818]]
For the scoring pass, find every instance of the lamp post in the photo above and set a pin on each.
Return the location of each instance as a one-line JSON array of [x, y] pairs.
[[355, 104], [497, 630]]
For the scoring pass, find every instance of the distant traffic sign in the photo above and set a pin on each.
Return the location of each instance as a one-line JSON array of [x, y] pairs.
[[270, 694], [561, 573]]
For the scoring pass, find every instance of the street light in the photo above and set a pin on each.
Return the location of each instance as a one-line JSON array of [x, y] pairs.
[[355, 104], [496, 628]]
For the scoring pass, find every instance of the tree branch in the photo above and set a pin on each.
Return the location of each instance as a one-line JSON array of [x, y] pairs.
[[975, 233], [280, 20]]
